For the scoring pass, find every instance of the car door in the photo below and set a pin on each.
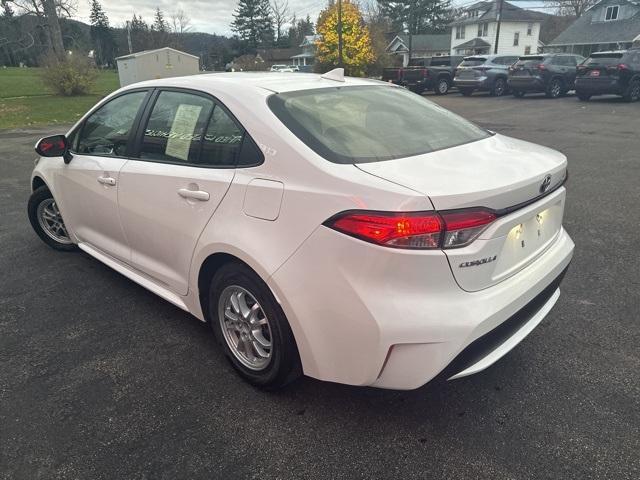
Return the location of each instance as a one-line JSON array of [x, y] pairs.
[[186, 161], [88, 184]]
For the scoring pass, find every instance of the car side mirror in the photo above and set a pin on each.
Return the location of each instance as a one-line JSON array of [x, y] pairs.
[[54, 146]]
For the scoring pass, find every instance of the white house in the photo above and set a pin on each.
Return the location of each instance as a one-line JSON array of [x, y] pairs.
[[307, 58], [151, 64], [475, 31]]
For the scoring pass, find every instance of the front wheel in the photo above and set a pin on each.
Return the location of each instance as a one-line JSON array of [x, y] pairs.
[[442, 87], [632, 94], [46, 220], [252, 329]]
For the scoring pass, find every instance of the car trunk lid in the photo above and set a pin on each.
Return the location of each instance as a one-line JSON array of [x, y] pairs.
[[508, 176]]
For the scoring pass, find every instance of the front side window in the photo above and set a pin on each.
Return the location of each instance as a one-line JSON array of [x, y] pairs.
[[612, 13], [106, 131], [175, 127], [370, 123]]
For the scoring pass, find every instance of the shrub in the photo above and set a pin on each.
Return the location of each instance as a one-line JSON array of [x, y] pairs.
[[72, 76]]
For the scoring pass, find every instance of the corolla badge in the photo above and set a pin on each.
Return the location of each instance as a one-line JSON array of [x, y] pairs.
[[546, 183], [481, 261]]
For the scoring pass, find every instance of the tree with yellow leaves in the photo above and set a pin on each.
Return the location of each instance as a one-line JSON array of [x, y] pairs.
[[357, 51]]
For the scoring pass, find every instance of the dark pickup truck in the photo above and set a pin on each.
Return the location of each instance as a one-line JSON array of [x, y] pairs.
[[430, 73]]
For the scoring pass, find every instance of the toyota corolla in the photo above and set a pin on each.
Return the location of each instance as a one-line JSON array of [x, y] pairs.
[[341, 228]]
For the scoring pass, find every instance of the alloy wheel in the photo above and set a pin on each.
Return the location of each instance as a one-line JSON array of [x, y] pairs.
[[443, 86], [51, 222], [556, 89], [499, 88], [245, 327], [635, 92]]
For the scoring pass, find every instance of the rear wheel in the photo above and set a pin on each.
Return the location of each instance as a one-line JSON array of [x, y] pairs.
[[632, 93], [46, 220], [518, 93], [555, 88], [499, 87], [442, 87], [252, 329], [467, 92]]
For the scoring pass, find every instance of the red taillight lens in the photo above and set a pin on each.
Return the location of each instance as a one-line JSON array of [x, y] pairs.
[[402, 230], [623, 66], [463, 227], [415, 230], [542, 66]]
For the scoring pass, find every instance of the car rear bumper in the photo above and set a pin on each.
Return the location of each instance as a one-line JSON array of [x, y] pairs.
[[368, 315], [475, 83], [598, 86], [527, 84]]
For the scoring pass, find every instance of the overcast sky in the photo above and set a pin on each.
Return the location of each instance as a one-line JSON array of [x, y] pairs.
[[212, 16]]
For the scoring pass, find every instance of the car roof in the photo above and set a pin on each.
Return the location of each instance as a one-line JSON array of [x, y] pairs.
[[271, 81]]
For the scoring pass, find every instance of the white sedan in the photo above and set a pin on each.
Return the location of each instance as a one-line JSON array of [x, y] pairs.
[[341, 228]]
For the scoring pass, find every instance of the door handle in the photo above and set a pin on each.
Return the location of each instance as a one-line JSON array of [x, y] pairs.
[[194, 194], [107, 180]]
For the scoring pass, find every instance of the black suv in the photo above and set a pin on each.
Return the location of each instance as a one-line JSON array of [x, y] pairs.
[[610, 72], [551, 73]]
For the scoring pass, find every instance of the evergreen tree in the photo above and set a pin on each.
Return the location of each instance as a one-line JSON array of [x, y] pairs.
[[140, 36], [253, 22], [417, 16], [160, 30], [300, 29], [101, 35]]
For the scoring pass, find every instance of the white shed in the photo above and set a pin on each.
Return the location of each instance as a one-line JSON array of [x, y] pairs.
[[151, 64]]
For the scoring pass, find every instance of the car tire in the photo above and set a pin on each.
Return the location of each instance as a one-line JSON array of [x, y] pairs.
[[518, 93], [555, 88], [632, 93], [252, 327], [442, 86], [583, 97], [46, 220], [499, 87], [467, 92]]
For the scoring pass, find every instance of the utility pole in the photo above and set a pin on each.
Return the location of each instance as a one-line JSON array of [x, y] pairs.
[[499, 19], [413, 2], [340, 33], [129, 36]]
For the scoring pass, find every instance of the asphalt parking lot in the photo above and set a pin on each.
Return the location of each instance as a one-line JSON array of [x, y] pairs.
[[101, 379]]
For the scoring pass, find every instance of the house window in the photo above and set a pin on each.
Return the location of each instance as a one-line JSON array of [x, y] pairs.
[[516, 39], [460, 32], [529, 29], [483, 29], [611, 13], [527, 50]]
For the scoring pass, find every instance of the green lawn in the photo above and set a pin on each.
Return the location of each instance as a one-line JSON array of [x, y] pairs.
[[25, 101]]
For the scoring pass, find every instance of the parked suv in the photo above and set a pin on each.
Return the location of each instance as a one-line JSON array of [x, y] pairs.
[[551, 73], [484, 73], [617, 73], [429, 73]]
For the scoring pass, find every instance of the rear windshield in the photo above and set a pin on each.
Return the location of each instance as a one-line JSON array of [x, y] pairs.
[[473, 62], [604, 59], [370, 123]]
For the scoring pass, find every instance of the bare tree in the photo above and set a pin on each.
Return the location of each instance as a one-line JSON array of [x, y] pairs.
[[571, 7], [180, 22], [280, 9]]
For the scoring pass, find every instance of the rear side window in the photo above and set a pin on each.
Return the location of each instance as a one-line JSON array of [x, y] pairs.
[[604, 59], [106, 131], [222, 140], [175, 127], [530, 62], [370, 123]]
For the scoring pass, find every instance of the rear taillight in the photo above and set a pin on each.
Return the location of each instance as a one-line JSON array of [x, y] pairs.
[[414, 230], [542, 66]]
